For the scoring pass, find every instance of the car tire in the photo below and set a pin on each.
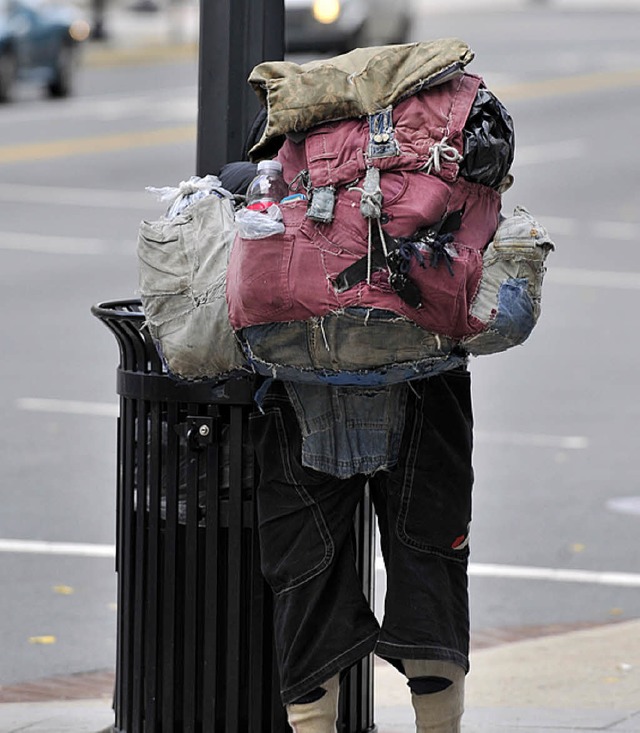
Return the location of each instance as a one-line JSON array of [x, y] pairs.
[[62, 83], [8, 68]]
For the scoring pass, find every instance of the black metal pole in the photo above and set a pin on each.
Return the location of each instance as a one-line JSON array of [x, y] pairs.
[[235, 35]]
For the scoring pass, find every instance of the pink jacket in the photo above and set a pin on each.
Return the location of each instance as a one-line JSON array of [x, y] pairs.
[[289, 277]]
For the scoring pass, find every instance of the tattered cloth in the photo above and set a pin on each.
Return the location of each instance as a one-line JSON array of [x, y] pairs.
[[353, 85]]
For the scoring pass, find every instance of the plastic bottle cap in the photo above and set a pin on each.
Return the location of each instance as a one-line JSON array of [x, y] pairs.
[[270, 165]]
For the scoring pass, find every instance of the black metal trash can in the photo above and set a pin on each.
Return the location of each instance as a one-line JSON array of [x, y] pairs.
[[194, 636]]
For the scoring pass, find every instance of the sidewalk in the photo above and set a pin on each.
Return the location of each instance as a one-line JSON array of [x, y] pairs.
[[570, 683], [580, 681]]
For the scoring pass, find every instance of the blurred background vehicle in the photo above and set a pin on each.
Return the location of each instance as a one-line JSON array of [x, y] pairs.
[[340, 25], [39, 42]]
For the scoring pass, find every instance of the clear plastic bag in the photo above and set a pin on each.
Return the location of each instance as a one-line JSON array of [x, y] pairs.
[[188, 192], [259, 224]]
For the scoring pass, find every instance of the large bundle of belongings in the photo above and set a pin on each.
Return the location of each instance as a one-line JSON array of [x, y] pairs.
[[390, 259]]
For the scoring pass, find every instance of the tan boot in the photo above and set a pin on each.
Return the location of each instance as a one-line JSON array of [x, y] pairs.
[[319, 716], [437, 712]]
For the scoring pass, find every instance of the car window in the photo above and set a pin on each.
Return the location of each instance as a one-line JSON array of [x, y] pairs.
[[38, 6]]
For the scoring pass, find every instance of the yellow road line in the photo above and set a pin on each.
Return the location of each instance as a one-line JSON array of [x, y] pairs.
[[148, 54], [187, 133], [96, 144], [593, 82]]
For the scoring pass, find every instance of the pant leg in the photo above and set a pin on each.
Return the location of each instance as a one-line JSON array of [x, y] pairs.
[[424, 512], [322, 621]]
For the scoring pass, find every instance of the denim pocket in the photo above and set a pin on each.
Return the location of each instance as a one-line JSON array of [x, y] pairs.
[[165, 268], [182, 267], [447, 293], [434, 498], [258, 284], [294, 536], [401, 192], [166, 265]]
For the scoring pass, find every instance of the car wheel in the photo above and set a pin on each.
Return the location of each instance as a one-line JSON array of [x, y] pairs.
[[7, 75], [62, 83]]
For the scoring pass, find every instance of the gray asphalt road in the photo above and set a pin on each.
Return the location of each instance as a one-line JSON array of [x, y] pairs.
[[557, 488]]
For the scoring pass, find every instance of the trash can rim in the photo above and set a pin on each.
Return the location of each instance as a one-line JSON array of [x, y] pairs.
[[124, 308]]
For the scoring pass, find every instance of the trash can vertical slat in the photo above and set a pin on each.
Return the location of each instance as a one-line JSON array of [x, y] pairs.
[[261, 657], [169, 642], [190, 594], [153, 566], [139, 500], [235, 558], [211, 580], [119, 701], [125, 569]]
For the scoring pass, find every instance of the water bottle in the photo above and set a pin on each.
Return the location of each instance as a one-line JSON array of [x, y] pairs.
[[268, 187]]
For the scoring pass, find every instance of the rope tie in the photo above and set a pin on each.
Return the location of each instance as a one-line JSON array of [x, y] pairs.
[[370, 194], [441, 153], [383, 244], [371, 209]]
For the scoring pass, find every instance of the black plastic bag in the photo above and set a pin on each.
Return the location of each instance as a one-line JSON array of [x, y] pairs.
[[489, 141]]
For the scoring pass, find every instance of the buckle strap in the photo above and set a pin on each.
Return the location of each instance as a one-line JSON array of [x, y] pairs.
[[382, 139], [396, 255]]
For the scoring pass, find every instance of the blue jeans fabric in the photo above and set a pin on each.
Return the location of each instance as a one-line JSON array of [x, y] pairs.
[[322, 621], [366, 347], [349, 430]]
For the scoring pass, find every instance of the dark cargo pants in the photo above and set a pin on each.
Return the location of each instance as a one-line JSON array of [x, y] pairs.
[[323, 623]]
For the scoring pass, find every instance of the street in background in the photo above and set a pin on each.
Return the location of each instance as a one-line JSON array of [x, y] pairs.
[[554, 537]]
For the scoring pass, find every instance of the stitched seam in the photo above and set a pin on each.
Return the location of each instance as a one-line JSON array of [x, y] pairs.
[[323, 530]]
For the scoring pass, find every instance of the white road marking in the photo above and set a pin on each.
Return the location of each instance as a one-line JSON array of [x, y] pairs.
[[57, 548], [176, 103], [486, 570], [93, 197], [547, 152], [558, 575], [621, 231], [69, 407], [561, 575], [625, 505], [556, 225], [625, 231], [49, 244], [594, 278], [567, 442]]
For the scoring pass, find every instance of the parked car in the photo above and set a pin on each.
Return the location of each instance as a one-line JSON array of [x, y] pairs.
[[39, 41], [340, 25]]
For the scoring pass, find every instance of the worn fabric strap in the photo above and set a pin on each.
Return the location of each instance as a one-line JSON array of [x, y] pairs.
[[382, 141], [357, 272]]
